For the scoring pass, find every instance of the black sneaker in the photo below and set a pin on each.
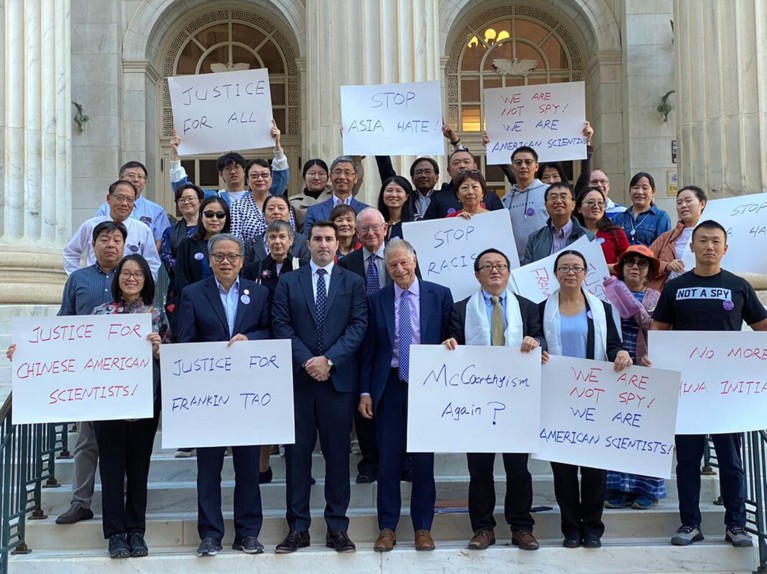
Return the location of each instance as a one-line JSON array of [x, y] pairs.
[[209, 547], [248, 545], [118, 546], [138, 547]]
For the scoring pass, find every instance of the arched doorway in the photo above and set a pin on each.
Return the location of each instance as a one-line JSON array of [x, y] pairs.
[[232, 39], [506, 33]]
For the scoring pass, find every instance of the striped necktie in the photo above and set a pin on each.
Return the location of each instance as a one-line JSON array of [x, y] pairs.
[[320, 304], [405, 336], [497, 327]]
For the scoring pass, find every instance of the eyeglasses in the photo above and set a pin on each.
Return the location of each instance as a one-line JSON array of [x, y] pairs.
[[259, 175], [636, 262], [488, 267], [592, 204], [138, 275], [367, 228], [469, 172], [230, 257], [216, 214], [123, 199], [344, 172], [596, 182], [232, 168], [129, 175], [316, 174], [424, 172], [566, 270], [521, 162], [187, 199]]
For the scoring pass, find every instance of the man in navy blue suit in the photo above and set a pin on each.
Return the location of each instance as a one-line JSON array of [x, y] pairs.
[[410, 311], [224, 307], [343, 176], [322, 309]]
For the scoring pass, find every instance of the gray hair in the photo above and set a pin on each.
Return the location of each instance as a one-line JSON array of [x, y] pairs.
[[344, 159], [398, 244], [369, 211], [279, 225], [225, 237]]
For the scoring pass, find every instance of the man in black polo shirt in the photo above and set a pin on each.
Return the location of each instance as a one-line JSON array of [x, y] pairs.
[[708, 298]]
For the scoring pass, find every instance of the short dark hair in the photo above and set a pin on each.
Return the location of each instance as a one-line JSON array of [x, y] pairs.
[[464, 150], [270, 198], [199, 233], [527, 149], [311, 163], [343, 209], [487, 252], [147, 291], [184, 186], [434, 165], [109, 227], [560, 184], [407, 207], [323, 223], [132, 164], [473, 174], [552, 165], [258, 161], [709, 224], [119, 182], [229, 159], [699, 193], [561, 254]]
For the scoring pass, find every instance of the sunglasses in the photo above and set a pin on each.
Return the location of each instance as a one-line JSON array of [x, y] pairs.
[[216, 214]]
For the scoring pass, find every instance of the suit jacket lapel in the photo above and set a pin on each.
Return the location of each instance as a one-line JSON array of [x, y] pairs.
[[335, 281], [305, 278], [387, 300], [211, 291], [424, 308]]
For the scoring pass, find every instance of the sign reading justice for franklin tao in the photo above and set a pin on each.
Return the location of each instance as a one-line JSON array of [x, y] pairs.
[[92, 367]]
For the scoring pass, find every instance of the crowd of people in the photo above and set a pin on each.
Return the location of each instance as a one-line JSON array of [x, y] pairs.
[[335, 277]]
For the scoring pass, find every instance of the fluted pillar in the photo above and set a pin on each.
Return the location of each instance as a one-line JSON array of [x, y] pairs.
[[351, 42], [721, 94], [35, 174]]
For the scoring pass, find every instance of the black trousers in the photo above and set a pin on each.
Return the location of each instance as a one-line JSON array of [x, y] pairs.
[[125, 449], [366, 435], [581, 506], [519, 491]]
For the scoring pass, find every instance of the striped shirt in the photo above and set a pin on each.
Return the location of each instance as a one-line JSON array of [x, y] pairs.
[[86, 289]]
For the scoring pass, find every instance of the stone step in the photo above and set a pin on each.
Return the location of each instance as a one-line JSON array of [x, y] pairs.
[[180, 528], [181, 496], [626, 556]]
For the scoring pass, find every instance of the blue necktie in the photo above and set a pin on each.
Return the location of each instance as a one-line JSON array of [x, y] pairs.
[[320, 304], [405, 336], [371, 276]]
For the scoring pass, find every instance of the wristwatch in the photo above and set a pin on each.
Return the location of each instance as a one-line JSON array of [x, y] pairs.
[[330, 363]]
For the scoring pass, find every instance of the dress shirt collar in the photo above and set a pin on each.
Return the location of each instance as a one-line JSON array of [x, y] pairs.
[[379, 252], [414, 290], [223, 291], [328, 267]]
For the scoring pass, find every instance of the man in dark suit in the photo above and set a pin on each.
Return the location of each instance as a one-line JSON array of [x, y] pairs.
[[225, 307], [495, 316], [322, 309], [343, 176], [415, 312], [369, 264]]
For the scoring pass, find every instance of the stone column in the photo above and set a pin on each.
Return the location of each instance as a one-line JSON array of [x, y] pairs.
[[351, 42], [35, 174], [721, 94]]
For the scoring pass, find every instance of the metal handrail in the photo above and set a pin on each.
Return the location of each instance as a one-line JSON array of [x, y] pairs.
[[27, 465]]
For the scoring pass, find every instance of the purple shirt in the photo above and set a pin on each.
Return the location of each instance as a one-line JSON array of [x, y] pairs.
[[560, 236], [414, 300]]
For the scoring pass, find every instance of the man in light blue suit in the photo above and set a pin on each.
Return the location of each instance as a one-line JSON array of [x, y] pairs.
[[343, 176]]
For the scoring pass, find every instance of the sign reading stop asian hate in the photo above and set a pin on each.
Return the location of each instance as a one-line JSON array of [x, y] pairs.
[[548, 118], [446, 248], [454, 397], [593, 416], [392, 119], [219, 395], [724, 378], [85, 368], [215, 113]]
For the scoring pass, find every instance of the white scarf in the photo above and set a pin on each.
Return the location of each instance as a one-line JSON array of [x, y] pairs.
[[551, 325], [477, 327]]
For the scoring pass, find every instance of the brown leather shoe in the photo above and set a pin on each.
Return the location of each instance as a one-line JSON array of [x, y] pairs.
[[482, 539], [423, 540], [386, 541], [525, 540]]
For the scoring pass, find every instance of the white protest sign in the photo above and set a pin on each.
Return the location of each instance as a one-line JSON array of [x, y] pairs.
[[392, 119], [214, 395], [454, 397], [446, 248], [744, 219], [548, 118], [537, 280], [215, 113], [724, 382], [593, 416], [84, 368]]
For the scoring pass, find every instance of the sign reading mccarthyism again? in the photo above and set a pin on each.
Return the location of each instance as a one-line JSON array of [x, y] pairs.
[[215, 113], [92, 367]]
